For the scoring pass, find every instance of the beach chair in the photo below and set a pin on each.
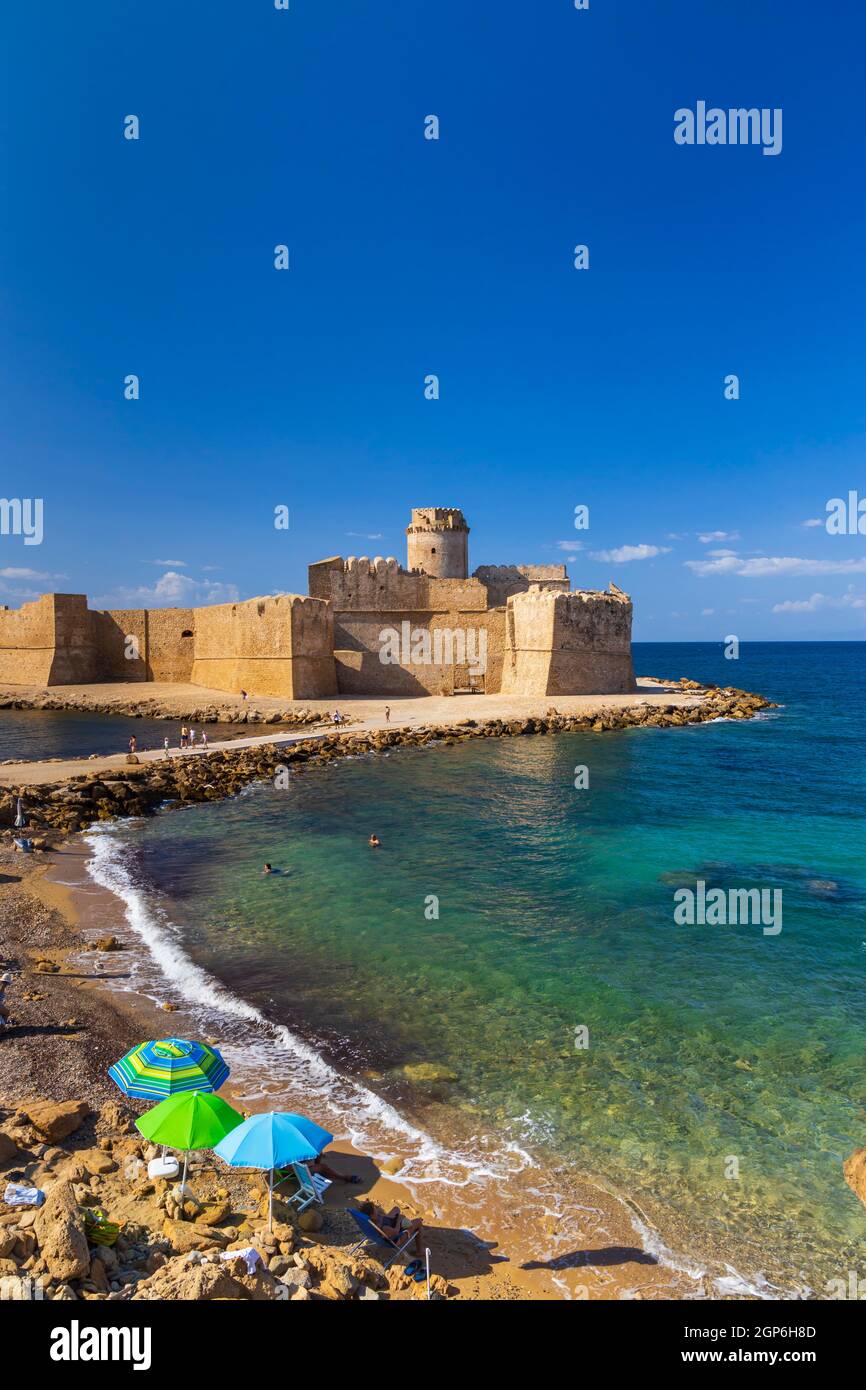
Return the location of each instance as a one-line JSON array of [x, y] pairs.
[[373, 1236], [311, 1187]]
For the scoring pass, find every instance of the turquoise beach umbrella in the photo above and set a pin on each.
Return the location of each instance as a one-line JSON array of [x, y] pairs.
[[270, 1141]]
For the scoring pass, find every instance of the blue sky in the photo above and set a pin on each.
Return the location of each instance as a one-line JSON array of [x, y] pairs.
[[408, 257]]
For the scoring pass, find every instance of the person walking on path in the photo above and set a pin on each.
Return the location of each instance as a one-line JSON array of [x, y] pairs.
[[387, 714], [133, 746]]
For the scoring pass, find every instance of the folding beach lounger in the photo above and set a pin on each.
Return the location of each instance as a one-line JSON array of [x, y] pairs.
[[373, 1236], [311, 1187]]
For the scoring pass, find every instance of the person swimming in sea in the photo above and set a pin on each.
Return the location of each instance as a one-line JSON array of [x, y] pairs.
[[374, 841]]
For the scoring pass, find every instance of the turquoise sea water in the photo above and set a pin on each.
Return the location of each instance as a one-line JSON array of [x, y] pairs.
[[725, 1077]]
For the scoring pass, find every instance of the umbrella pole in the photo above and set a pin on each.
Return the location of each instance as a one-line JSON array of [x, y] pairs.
[[271, 1203], [427, 1262], [183, 1179]]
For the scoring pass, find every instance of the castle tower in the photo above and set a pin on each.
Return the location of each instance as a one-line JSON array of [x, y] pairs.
[[437, 542]]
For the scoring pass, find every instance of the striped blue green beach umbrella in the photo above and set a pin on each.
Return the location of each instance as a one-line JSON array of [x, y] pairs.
[[166, 1067]]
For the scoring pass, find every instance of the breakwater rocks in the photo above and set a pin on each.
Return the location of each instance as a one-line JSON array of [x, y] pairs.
[[142, 789], [142, 708]]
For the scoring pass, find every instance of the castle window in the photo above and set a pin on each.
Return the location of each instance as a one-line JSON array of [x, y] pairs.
[[187, 632], [433, 550]]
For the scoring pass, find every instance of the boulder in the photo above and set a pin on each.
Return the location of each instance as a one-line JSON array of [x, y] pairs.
[[8, 1148], [56, 1120], [311, 1220], [183, 1236], [59, 1230], [854, 1171], [177, 1280], [428, 1072]]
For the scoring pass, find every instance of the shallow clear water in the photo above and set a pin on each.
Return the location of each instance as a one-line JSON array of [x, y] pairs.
[[33, 734], [724, 1080]]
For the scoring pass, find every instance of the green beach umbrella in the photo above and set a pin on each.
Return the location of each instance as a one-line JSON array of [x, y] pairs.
[[190, 1120]]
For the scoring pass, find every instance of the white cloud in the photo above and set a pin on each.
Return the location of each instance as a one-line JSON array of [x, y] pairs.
[[13, 572], [720, 554], [811, 605], [570, 546], [169, 564], [705, 537], [171, 590], [624, 553], [707, 612], [25, 594], [768, 566], [366, 535], [814, 521]]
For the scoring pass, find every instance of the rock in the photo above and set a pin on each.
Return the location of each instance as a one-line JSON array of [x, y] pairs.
[[8, 1148], [99, 1276], [114, 1119], [107, 1256], [367, 1295], [96, 1163], [179, 1281], [214, 1213], [60, 1231], [56, 1120], [184, 1236], [295, 1278], [299, 1296], [338, 1283], [170, 1008], [427, 1072], [854, 1170], [311, 1220], [108, 943]]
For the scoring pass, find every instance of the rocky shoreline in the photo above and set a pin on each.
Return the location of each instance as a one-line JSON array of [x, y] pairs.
[[143, 708], [137, 789], [106, 1230]]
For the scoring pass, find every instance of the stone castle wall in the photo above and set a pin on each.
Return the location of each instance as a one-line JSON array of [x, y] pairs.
[[371, 598], [27, 642], [268, 646], [568, 644]]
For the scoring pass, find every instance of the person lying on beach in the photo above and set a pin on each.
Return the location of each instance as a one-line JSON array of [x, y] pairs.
[[393, 1225], [374, 841], [318, 1165]]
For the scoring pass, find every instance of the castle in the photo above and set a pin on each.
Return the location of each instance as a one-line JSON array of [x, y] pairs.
[[367, 627]]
